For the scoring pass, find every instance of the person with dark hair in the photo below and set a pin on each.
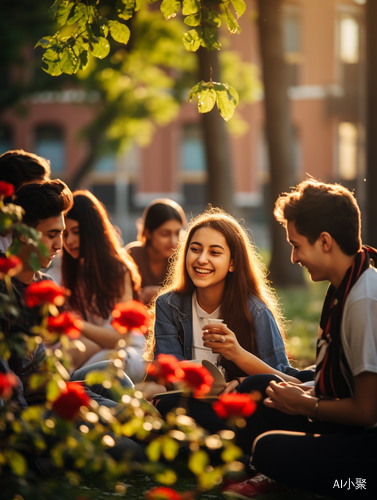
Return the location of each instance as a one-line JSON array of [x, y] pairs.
[[333, 425], [99, 273], [216, 274], [158, 235], [18, 168]]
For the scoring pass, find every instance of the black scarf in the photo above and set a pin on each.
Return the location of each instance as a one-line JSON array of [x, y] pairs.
[[333, 377]]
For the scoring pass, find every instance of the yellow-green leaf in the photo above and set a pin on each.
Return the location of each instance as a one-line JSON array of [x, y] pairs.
[[45, 42], [81, 11], [17, 462], [206, 100], [99, 47], [231, 453], [170, 8], [63, 12], [120, 32], [190, 7], [53, 390], [198, 461], [239, 7], [226, 106], [167, 477], [233, 25], [194, 19], [69, 62], [153, 450], [170, 448], [193, 39], [125, 8]]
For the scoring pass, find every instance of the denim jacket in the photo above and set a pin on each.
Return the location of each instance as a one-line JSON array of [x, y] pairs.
[[173, 331]]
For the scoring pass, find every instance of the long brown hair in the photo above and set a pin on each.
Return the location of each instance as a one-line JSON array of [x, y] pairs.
[[96, 279], [248, 278]]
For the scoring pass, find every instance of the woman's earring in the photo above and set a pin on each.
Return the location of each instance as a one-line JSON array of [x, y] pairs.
[[231, 269]]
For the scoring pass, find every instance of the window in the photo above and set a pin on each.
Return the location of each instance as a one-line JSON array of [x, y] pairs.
[[292, 42], [50, 145], [192, 149], [347, 162], [349, 39], [105, 164], [6, 139]]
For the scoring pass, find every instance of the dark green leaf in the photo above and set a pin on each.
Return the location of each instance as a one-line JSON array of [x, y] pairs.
[[99, 47], [190, 7], [15, 247], [210, 38], [120, 32], [81, 11], [34, 262], [213, 18], [170, 8], [194, 19], [239, 7]]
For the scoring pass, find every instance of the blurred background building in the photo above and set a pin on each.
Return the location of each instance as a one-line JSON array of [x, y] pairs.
[[324, 44]]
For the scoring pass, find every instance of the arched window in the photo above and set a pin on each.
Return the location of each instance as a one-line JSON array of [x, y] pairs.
[[6, 139], [49, 143]]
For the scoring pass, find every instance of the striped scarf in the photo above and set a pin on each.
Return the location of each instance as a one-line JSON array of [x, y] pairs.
[[333, 377]]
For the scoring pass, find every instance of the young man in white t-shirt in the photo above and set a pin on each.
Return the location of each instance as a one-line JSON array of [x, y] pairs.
[[329, 432]]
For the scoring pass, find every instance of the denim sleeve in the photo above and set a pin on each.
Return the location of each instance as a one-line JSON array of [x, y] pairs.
[[269, 344], [167, 331]]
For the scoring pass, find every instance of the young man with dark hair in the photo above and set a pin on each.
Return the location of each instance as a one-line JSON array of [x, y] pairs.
[[332, 427], [18, 168]]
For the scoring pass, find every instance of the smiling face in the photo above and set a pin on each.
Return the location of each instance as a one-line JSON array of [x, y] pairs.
[[306, 254], [164, 239], [208, 259], [52, 230], [71, 238]]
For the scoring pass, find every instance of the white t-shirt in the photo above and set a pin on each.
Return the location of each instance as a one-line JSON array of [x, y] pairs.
[[201, 318]]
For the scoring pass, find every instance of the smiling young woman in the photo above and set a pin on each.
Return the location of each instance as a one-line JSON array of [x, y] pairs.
[[217, 274]]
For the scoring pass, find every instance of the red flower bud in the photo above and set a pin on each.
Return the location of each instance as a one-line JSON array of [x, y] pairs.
[[6, 189], [11, 266], [7, 382], [163, 493], [70, 400], [197, 378], [234, 405], [44, 292], [66, 323], [166, 367], [130, 316]]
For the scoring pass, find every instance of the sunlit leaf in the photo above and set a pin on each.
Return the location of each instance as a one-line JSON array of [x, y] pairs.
[[99, 47], [198, 461], [125, 8], [96, 377], [81, 11], [120, 32], [213, 18], [63, 12], [193, 39], [194, 19], [233, 25], [210, 479], [36, 380], [190, 7], [69, 62], [84, 59], [239, 7], [170, 8], [226, 107], [210, 37], [170, 448], [153, 450], [53, 390], [17, 462], [231, 453], [45, 42], [167, 477], [206, 100]]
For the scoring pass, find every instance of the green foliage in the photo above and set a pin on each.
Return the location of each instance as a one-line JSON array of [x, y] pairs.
[[209, 94]]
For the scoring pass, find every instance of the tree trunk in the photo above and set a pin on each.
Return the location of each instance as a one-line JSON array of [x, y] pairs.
[[371, 124], [220, 182], [279, 135]]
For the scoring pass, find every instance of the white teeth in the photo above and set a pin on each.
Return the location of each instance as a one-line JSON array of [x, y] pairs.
[[202, 271]]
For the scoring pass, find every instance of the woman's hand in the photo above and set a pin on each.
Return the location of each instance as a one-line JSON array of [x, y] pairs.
[[288, 398], [221, 340]]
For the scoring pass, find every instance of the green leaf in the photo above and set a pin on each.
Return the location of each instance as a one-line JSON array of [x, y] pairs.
[[52, 11], [125, 8], [153, 450], [69, 62], [81, 11], [17, 462], [99, 47], [37, 379], [226, 106], [193, 39], [210, 38], [206, 100], [45, 42], [120, 32], [166, 477], [63, 12], [53, 390], [190, 7], [213, 18], [5, 351], [231, 452], [170, 8], [233, 25], [34, 262], [198, 461], [239, 7], [170, 448], [96, 377], [194, 19], [15, 247], [42, 249]]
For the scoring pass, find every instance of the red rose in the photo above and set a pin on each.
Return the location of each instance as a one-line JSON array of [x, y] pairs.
[[6, 189], [44, 292], [11, 266], [130, 316], [166, 367], [163, 493], [234, 405], [65, 323], [197, 378], [7, 382], [71, 398]]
